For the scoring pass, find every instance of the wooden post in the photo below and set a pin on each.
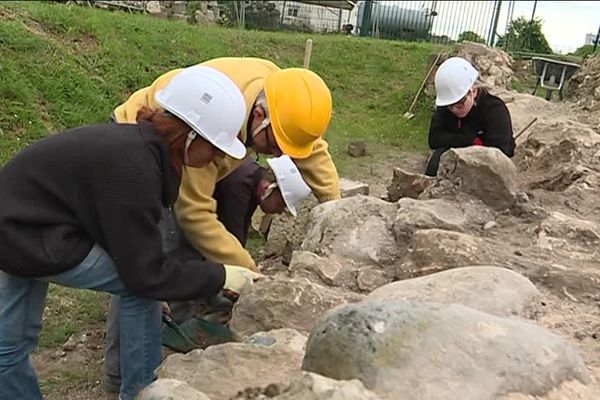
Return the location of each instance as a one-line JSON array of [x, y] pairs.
[[307, 53]]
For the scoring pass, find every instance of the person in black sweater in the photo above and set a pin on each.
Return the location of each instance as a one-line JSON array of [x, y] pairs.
[[81, 208], [467, 115]]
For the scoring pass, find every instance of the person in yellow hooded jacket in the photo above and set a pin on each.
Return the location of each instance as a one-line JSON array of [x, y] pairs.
[[287, 112]]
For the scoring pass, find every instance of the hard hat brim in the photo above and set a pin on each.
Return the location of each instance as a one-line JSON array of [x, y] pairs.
[[446, 102], [288, 204], [288, 148]]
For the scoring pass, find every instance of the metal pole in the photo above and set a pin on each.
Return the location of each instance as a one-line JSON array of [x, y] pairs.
[[533, 12], [596, 41], [366, 19], [531, 25], [282, 13], [495, 23], [243, 9], [340, 16]]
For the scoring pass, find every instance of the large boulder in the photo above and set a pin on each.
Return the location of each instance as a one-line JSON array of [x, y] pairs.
[[221, 371], [354, 229], [170, 389], [434, 250], [273, 303], [286, 232], [414, 351], [309, 386], [482, 172], [413, 215], [494, 290]]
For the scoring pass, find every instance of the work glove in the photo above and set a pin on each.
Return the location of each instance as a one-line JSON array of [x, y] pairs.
[[238, 279]]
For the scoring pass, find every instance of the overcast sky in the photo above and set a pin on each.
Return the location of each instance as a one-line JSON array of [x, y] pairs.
[[565, 22]]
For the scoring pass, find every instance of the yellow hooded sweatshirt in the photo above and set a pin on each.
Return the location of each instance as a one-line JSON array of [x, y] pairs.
[[195, 208]]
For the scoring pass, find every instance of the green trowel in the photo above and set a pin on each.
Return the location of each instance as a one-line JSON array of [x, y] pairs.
[[194, 333]]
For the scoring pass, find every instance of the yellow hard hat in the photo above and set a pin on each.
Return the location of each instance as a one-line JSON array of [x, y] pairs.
[[300, 109]]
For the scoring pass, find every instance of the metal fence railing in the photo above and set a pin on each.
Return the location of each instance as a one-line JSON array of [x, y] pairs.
[[516, 26], [437, 21]]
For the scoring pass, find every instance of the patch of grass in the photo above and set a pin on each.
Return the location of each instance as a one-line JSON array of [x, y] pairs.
[[65, 66], [70, 311], [69, 380]]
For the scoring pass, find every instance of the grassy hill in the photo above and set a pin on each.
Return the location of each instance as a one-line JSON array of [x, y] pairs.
[[63, 66]]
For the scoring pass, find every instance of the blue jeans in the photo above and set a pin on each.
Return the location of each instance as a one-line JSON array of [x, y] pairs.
[[22, 302]]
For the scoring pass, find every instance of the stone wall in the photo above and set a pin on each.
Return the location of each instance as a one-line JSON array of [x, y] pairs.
[[203, 12]]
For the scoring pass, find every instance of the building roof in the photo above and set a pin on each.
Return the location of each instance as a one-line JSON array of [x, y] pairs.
[[344, 4]]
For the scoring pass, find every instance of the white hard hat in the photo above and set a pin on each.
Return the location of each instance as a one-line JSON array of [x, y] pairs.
[[291, 185], [210, 103], [453, 80]]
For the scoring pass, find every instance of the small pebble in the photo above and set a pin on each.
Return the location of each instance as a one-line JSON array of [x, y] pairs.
[[489, 225]]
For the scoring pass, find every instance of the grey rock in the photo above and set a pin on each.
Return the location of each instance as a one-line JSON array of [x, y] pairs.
[[357, 148], [415, 351], [434, 250], [489, 225], [287, 230], [274, 303], [494, 290], [597, 93], [170, 389], [355, 228], [221, 371], [561, 226], [370, 278], [309, 386], [349, 188], [407, 184], [153, 7], [482, 172], [413, 215], [310, 265]]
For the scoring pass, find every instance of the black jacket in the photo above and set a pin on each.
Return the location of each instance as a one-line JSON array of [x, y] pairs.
[[104, 184], [488, 120]]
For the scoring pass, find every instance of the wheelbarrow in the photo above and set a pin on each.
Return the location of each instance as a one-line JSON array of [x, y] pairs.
[[548, 71]]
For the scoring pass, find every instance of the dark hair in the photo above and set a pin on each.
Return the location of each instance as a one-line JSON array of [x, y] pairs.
[[171, 128], [267, 174]]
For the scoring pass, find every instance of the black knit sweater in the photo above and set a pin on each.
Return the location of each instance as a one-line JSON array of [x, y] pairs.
[[104, 184]]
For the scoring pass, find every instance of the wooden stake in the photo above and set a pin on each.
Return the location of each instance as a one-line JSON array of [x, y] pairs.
[[307, 53]]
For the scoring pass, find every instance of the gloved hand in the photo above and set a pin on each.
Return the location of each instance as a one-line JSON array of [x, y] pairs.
[[237, 279]]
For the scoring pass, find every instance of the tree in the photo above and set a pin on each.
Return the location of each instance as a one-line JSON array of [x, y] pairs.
[[525, 35], [470, 36]]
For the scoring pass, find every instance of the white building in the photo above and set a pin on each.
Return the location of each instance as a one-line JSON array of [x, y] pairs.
[[318, 16], [589, 38]]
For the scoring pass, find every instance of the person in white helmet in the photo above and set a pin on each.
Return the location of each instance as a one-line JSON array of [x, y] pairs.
[[81, 209], [277, 189], [467, 114]]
